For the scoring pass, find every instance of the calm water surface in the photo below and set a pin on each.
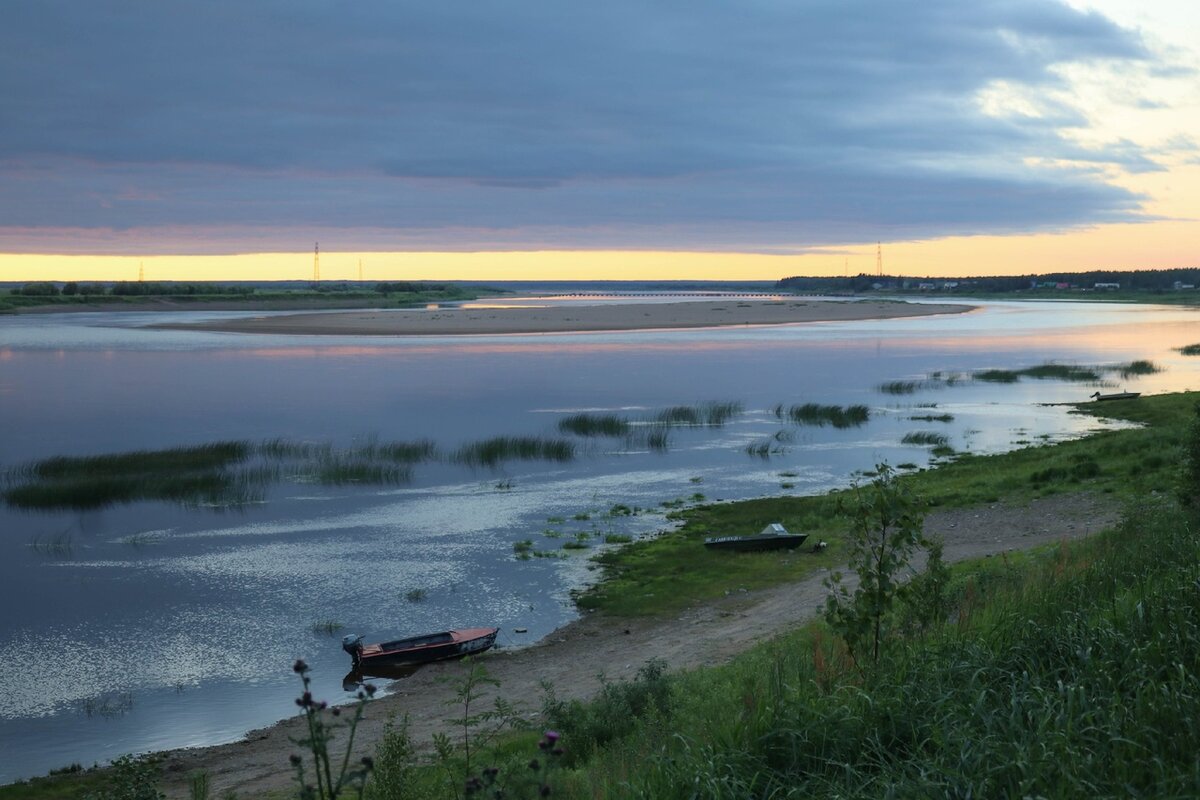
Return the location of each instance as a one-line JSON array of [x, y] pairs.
[[153, 626]]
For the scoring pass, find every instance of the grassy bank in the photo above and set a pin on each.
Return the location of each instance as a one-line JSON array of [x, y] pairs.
[[1066, 672], [673, 571]]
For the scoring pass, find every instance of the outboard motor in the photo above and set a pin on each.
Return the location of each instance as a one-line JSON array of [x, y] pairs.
[[352, 644]]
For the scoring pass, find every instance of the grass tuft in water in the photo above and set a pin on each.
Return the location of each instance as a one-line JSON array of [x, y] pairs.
[[900, 387], [594, 425], [837, 416], [1139, 367], [490, 452], [1189, 349], [712, 415], [925, 438]]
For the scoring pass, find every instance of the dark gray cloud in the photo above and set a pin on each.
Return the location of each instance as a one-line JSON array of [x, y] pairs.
[[748, 125]]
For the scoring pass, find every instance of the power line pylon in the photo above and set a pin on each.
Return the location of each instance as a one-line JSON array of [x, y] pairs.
[[316, 262], [878, 259]]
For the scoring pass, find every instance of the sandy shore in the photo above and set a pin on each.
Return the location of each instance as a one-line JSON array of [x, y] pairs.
[[563, 319], [575, 657]]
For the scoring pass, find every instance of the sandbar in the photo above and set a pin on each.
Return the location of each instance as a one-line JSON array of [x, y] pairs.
[[456, 321]]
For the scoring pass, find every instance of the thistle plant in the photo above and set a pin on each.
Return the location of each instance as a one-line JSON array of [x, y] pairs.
[[329, 781]]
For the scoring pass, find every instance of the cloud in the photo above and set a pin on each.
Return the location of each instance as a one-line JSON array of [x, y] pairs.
[[750, 125]]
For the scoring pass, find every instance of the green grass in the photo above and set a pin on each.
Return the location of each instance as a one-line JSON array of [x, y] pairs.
[[594, 425], [837, 416], [669, 572], [69, 783], [1067, 672]]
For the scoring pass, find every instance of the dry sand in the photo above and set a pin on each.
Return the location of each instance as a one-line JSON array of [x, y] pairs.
[[574, 657], [562, 319]]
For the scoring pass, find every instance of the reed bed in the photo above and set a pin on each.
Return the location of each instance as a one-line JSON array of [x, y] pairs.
[[821, 415], [594, 425], [1189, 350], [1067, 372], [490, 452], [343, 471], [900, 387], [932, 418], [711, 415], [399, 452], [925, 438], [1139, 367], [215, 456]]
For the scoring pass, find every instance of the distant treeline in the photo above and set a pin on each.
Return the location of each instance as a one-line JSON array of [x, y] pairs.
[[128, 289], [175, 289], [1134, 280]]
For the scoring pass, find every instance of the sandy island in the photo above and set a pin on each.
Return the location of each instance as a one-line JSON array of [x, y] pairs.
[[574, 657], [564, 319]]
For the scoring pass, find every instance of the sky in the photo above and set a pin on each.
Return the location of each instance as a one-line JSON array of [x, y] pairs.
[[542, 139]]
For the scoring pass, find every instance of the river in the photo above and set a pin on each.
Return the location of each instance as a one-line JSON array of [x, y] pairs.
[[155, 625]]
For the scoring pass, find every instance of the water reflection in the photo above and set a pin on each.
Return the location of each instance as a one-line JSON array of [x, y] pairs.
[[355, 678]]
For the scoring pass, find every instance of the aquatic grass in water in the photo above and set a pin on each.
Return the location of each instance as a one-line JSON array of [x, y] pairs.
[[837, 416], [925, 438], [490, 452], [594, 425], [1066, 372], [900, 387], [1189, 350], [341, 471], [401, 452], [933, 418], [212, 488], [326, 627], [712, 415], [1139, 367], [139, 462]]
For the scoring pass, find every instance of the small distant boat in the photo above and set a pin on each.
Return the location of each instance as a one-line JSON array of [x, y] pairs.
[[1116, 396], [772, 537], [419, 649]]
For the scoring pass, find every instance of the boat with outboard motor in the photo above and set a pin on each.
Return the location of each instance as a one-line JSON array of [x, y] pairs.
[[419, 649]]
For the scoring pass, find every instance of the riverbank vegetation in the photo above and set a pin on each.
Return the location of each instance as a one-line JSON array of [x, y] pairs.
[[671, 571]]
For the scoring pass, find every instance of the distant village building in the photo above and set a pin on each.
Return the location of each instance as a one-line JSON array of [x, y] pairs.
[[1180, 285], [926, 287], [1108, 286]]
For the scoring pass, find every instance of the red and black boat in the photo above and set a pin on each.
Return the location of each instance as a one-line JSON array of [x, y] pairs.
[[419, 649]]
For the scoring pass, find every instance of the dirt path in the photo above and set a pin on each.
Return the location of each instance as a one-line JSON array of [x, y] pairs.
[[574, 657]]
